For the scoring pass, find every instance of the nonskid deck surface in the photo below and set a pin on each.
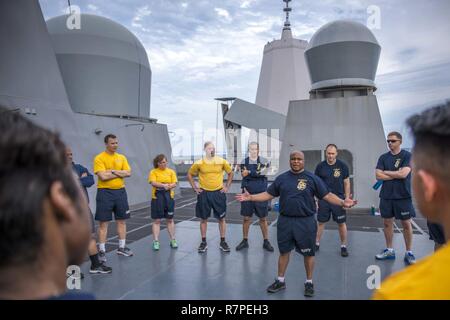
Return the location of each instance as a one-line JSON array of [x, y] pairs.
[[185, 274]]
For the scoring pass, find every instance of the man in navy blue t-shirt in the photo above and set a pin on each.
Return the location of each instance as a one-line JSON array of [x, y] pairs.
[[336, 176], [296, 226], [394, 169], [254, 180]]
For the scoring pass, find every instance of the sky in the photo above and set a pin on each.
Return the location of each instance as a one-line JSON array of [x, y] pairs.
[[203, 49]]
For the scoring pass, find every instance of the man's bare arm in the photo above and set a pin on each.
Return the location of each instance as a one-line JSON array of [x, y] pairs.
[[402, 173], [380, 175]]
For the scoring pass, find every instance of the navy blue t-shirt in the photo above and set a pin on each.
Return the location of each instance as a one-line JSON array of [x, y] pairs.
[[397, 188], [296, 192], [256, 180], [333, 176]]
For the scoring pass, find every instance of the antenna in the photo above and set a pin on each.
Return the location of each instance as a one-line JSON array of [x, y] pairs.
[[287, 9]]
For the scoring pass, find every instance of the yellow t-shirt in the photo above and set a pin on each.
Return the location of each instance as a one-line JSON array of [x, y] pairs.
[[210, 172], [103, 162], [428, 279], [162, 176]]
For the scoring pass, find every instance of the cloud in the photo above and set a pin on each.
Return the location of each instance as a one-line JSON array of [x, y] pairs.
[[137, 20], [203, 49], [223, 14]]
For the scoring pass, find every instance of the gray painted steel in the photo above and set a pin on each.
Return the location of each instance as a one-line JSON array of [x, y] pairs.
[[342, 53], [352, 123], [31, 81], [185, 274], [104, 66], [250, 115]]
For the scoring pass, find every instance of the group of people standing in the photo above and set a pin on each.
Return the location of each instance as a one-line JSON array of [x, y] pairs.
[[44, 212], [302, 218]]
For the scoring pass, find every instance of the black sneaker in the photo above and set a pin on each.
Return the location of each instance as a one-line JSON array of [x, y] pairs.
[[202, 247], [267, 246], [81, 275], [125, 252], [317, 247], [242, 245], [101, 268], [309, 289], [344, 252], [224, 246], [102, 256], [276, 286]]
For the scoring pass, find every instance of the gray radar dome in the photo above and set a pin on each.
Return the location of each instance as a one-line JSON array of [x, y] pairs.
[[342, 54], [104, 67]]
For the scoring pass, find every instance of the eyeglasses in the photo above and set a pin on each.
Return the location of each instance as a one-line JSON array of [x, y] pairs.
[[392, 141]]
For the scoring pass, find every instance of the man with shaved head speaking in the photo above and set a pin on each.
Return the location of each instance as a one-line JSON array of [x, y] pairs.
[[296, 227]]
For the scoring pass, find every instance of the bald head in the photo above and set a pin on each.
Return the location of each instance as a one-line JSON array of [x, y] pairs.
[[297, 161]]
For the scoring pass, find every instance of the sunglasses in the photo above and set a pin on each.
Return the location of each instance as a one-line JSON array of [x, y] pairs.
[[392, 141]]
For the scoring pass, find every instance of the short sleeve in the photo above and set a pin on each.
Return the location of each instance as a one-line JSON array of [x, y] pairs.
[[316, 172], [407, 160], [125, 165], [194, 169], [380, 163], [174, 178], [152, 176], [320, 189], [274, 188], [227, 166], [345, 171], [99, 165]]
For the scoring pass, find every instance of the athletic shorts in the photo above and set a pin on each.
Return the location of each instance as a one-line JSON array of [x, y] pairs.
[[401, 209], [326, 210], [211, 200], [297, 232], [163, 206], [111, 201]]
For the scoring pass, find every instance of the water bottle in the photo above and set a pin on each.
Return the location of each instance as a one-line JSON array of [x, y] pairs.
[[372, 210]]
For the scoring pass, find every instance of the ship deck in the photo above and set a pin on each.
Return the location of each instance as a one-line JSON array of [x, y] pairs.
[[185, 274]]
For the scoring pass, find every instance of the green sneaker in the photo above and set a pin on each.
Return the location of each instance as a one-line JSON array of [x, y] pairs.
[[155, 245], [173, 244]]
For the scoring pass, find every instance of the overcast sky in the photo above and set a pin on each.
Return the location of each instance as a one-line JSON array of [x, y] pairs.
[[203, 49]]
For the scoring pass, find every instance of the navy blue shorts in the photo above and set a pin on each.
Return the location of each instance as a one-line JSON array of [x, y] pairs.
[[109, 201], [211, 200], [297, 232], [401, 209], [327, 209], [163, 206], [436, 232]]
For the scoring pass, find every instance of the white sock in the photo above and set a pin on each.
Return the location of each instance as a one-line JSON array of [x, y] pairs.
[[310, 281], [281, 279], [122, 243], [390, 249], [102, 247], [410, 252], [317, 244], [343, 246]]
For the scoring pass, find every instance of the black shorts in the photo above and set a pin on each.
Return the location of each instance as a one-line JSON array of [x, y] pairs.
[[436, 232], [211, 200], [297, 232], [163, 206], [327, 209], [109, 201], [401, 209], [261, 209]]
